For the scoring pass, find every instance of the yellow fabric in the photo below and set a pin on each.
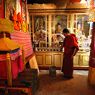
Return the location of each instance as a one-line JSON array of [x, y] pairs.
[[24, 27], [7, 44], [6, 25]]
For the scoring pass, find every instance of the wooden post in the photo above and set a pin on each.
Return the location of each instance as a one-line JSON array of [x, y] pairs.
[[49, 30], [9, 71], [23, 57], [91, 75]]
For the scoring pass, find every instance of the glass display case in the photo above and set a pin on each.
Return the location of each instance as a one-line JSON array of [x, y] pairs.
[[58, 23], [47, 36], [46, 32], [40, 31], [83, 31], [47, 29]]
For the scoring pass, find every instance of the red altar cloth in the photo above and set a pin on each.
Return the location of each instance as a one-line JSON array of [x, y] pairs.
[[16, 65]]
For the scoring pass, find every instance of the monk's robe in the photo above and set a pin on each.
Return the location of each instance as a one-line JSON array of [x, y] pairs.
[[69, 44]]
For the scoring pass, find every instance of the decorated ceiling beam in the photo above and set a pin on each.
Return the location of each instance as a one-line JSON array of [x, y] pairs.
[[74, 1]]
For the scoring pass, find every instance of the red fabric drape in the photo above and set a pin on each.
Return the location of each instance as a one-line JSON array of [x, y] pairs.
[[1, 8], [17, 66]]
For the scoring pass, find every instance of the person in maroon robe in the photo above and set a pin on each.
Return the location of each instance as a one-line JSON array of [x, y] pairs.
[[70, 46]]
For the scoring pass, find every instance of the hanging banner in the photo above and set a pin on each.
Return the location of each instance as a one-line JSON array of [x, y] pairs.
[[18, 6], [91, 3]]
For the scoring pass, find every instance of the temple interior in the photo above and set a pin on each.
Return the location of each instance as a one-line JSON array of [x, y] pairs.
[[32, 47]]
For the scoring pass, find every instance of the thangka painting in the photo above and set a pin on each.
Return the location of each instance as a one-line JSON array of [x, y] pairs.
[[24, 16], [10, 5], [24, 10], [40, 28], [40, 22]]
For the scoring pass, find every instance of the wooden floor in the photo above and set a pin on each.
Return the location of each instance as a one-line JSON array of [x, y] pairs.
[[60, 86], [57, 85]]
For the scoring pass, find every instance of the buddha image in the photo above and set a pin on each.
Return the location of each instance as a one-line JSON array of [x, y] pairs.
[[40, 34], [58, 28], [57, 38], [79, 31]]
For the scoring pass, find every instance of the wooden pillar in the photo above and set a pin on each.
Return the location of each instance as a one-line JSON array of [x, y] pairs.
[[72, 23], [49, 30], [91, 74], [23, 56], [9, 71]]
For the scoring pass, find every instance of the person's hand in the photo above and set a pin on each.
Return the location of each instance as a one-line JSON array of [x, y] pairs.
[[72, 56]]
